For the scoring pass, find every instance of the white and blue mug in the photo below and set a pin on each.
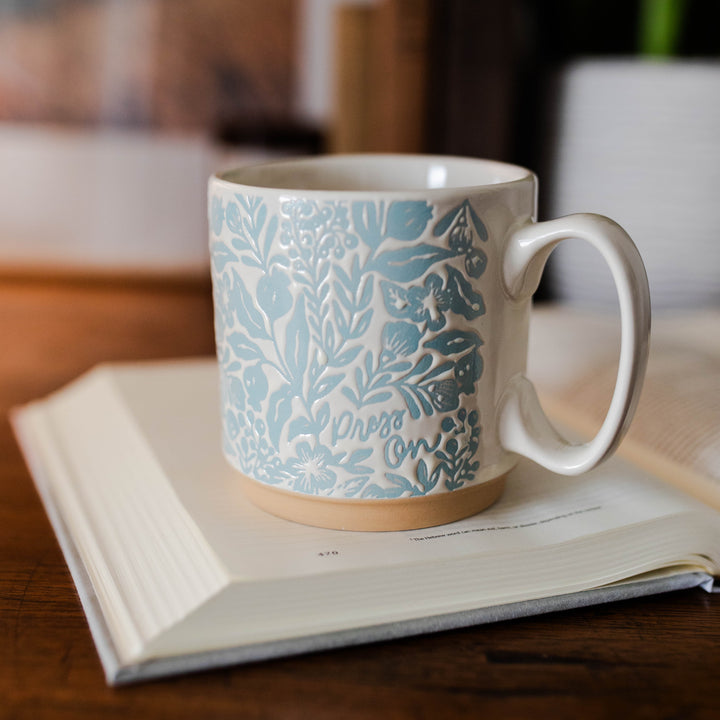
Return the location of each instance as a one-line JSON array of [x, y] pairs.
[[372, 322]]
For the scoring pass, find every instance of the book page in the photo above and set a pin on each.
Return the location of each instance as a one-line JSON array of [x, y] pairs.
[[536, 510], [676, 431]]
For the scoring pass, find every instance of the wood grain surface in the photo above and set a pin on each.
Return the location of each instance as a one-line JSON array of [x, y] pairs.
[[653, 658]]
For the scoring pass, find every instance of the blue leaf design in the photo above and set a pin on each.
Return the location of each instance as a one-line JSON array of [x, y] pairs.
[[399, 367], [380, 397], [410, 402], [422, 476], [261, 217], [410, 263], [279, 411], [325, 386], [440, 369], [347, 357], [355, 269], [329, 336], [463, 299], [245, 348], [359, 455], [299, 426], [454, 341], [363, 324], [348, 393], [251, 262], [407, 219], [426, 406], [246, 311], [343, 296], [368, 222], [423, 364], [323, 416], [241, 244], [340, 320], [270, 234], [446, 221], [233, 219], [297, 341], [344, 278], [279, 260], [399, 486], [367, 294], [478, 223], [396, 299], [273, 295], [368, 365], [221, 255]]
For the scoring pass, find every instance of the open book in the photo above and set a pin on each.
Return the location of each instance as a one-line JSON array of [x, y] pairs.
[[676, 431], [178, 571]]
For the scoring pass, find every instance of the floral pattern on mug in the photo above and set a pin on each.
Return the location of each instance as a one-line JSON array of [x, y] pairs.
[[339, 324]]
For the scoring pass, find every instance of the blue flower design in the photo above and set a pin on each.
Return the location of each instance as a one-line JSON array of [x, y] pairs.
[[256, 385], [273, 295], [400, 339], [461, 237], [310, 470], [217, 214], [429, 302], [426, 303], [444, 394]]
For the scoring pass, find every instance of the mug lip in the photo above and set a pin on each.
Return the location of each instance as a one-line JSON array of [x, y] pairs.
[[517, 175]]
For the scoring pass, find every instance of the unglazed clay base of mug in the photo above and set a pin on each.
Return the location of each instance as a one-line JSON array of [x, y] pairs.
[[374, 515]]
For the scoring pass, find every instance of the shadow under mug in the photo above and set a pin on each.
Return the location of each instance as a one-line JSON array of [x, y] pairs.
[[371, 318]]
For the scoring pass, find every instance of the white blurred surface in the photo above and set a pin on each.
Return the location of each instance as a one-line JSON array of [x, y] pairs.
[[108, 200], [639, 141]]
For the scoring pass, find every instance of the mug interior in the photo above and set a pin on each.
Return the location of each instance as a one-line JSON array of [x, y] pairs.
[[376, 173]]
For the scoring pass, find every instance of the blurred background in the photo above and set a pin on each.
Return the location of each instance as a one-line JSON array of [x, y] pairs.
[[114, 112]]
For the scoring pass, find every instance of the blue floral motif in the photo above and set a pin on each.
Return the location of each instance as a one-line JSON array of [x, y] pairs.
[[444, 394], [461, 239], [421, 304], [299, 327], [400, 339], [310, 469], [428, 303], [457, 458]]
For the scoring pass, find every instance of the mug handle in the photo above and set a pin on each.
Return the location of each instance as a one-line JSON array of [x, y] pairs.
[[523, 426]]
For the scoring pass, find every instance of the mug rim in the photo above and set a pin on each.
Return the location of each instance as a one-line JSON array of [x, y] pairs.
[[498, 175]]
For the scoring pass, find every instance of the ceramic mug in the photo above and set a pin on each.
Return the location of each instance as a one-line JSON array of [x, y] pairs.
[[371, 317]]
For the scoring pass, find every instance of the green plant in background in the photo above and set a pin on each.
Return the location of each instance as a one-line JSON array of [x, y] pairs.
[[660, 26]]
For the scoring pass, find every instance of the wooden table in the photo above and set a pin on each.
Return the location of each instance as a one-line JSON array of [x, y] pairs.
[[652, 658]]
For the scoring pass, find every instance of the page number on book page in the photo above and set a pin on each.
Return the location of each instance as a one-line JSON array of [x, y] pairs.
[[329, 553]]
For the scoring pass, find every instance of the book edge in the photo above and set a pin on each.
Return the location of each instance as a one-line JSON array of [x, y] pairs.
[[195, 662], [109, 657]]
